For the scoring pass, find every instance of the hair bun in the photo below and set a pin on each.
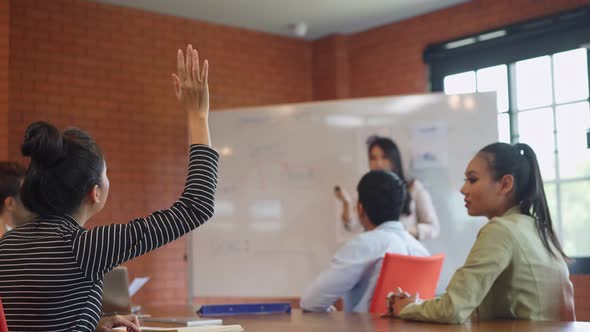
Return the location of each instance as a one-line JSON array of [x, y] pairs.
[[43, 143]]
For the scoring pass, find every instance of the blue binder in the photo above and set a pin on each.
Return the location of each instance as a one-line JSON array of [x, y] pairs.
[[244, 309]]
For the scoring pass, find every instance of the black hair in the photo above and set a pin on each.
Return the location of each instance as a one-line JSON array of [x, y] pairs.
[[64, 168], [391, 152], [382, 193], [520, 161], [11, 175]]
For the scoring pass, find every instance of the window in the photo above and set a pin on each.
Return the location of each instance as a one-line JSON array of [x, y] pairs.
[[551, 108], [485, 80]]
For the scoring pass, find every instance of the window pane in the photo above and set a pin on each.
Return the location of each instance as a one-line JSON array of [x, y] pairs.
[[576, 217], [460, 83], [503, 128], [533, 83], [574, 156], [571, 75], [536, 129], [495, 79]]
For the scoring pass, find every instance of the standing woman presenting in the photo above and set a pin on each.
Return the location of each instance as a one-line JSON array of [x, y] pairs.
[[418, 214], [52, 269]]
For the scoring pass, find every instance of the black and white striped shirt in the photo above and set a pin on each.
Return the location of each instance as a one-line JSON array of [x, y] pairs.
[[51, 269]]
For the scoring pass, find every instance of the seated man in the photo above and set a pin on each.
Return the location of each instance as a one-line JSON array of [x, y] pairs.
[[355, 268], [12, 211]]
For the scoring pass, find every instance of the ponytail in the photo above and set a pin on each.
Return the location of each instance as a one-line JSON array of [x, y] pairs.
[[520, 161]]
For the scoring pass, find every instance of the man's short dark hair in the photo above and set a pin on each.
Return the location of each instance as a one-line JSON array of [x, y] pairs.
[[382, 195], [11, 175]]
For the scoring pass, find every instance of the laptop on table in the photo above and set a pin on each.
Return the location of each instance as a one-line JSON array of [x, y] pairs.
[[115, 296], [116, 300]]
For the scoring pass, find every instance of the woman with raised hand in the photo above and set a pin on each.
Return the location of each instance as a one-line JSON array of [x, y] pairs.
[[52, 269], [516, 268]]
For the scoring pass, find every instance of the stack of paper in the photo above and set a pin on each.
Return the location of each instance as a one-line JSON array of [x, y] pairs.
[[184, 321], [204, 328]]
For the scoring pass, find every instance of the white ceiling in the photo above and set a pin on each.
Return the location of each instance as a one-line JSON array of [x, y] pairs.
[[323, 17]]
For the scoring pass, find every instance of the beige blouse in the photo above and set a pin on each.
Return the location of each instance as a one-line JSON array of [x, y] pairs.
[[508, 275]]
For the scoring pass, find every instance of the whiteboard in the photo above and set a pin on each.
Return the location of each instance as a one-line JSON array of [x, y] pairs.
[[276, 222]]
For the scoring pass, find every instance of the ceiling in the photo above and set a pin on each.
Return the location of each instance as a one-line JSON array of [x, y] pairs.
[[322, 17]]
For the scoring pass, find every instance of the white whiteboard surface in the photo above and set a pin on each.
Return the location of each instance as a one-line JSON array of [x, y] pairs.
[[276, 222]]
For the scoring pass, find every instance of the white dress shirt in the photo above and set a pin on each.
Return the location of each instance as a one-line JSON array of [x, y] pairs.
[[355, 268]]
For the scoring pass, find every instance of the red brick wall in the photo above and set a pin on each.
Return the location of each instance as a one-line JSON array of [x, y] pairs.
[[4, 57], [107, 69], [331, 71]]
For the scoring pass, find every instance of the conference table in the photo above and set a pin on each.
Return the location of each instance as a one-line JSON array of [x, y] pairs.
[[348, 322]]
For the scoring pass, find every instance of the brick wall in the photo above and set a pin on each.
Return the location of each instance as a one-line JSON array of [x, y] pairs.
[[4, 57], [331, 71], [107, 69]]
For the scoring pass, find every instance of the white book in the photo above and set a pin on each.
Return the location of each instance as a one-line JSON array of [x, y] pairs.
[[184, 321], [205, 328]]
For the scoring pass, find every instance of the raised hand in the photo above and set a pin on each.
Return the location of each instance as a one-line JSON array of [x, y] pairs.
[[190, 84], [192, 90]]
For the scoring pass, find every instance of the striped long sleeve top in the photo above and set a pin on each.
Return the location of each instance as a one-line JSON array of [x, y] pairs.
[[51, 270]]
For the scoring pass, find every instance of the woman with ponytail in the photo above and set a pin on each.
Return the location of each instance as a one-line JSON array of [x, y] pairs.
[[516, 268], [52, 269]]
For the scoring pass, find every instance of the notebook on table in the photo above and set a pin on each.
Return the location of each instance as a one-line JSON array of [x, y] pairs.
[[206, 328], [184, 321], [244, 309]]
